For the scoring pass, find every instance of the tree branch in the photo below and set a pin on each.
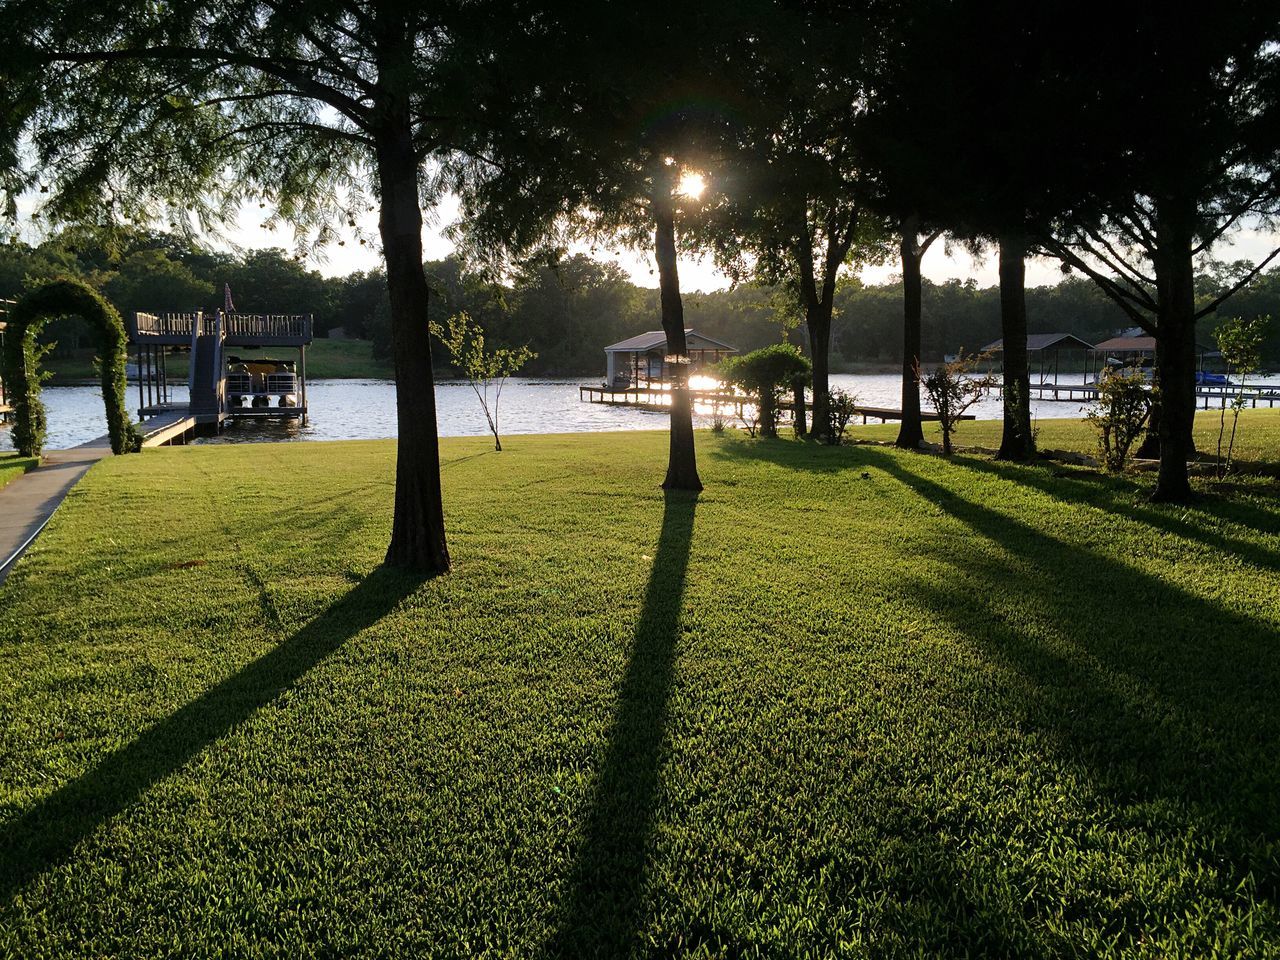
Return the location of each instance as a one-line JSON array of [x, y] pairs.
[[1240, 285], [308, 86], [1109, 286]]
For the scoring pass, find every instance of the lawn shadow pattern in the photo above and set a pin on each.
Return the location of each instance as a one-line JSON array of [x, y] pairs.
[[1119, 496], [1152, 716], [601, 914], [45, 835]]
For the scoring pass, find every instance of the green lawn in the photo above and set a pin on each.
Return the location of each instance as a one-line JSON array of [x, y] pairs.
[[1257, 439], [849, 702], [13, 466], [326, 360]]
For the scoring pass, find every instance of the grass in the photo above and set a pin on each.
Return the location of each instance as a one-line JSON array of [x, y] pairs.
[[849, 702], [1257, 439], [13, 466], [326, 360]]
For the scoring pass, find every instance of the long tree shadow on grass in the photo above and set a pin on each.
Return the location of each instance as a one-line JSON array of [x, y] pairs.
[[1164, 693], [601, 913], [1122, 497], [45, 834], [1164, 700]]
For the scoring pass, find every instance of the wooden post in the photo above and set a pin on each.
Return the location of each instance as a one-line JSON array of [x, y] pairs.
[[302, 356]]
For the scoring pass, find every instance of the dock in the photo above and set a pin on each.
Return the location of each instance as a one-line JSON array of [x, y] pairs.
[[885, 414], [168, 427], [1205, 394], [222, 387], [659, 399]]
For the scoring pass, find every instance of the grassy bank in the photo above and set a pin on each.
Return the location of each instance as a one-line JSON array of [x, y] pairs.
[[1257, 439], [13, 466], [849, 702], [326, 360]]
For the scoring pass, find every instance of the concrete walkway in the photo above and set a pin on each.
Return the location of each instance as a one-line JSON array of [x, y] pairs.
[[27, 503]]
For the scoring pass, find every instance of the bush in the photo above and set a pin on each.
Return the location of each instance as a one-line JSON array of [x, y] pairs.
[[840, 409], [952, 389], [765, 372], [20, 359], [1240, 342], [1120, 414]]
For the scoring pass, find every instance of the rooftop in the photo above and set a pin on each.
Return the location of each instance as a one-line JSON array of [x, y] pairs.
[[654, 339], [1044, 341]]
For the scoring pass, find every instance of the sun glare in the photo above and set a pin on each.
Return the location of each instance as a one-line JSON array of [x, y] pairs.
[[691, 185]]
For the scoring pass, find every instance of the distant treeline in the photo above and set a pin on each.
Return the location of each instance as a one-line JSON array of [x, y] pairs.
[[569, 312]]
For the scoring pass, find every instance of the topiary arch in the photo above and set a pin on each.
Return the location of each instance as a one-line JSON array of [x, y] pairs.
[[21, 357]]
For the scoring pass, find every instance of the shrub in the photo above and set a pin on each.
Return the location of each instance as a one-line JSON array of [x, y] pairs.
[[1120, 414], [952, 389], [718, 421], [840, 409], [765, 372], [1240, 342], [483, 368]]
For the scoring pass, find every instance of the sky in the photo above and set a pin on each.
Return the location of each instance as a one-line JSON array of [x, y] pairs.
[[695, 274], [939, 263]]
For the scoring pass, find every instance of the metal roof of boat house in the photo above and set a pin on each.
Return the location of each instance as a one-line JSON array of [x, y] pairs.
[[1037, 342], [657, 340]]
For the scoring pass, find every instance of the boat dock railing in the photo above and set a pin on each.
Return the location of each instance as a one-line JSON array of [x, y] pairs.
[[237, 329], [1088, 392], [658, 398], [271, 326], [167, 325]]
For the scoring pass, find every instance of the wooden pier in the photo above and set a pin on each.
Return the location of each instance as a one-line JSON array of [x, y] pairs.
[[885, 414], [659, 399], [168, 427], [1088, 392]]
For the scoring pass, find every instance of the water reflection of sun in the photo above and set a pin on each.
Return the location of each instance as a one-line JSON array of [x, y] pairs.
[[700, 381]]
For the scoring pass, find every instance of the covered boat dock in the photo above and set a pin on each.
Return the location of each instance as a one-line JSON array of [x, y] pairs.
[[643, 359], [222, 385]]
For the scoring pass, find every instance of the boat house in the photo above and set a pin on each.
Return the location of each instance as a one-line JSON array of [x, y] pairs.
[[1044, 350], [230, 376], [643, 359]]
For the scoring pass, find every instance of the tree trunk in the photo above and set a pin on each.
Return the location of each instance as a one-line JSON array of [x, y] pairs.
[[911, 432], [1149, 449], [417, 530], [818, 322], [1175, 349], [1016, 442], [797, 408], [682, 466]]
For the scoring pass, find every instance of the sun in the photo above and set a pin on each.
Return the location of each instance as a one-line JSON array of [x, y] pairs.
[[691, 185]]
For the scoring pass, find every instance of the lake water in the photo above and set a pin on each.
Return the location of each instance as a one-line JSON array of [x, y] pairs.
[[365, 409]]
